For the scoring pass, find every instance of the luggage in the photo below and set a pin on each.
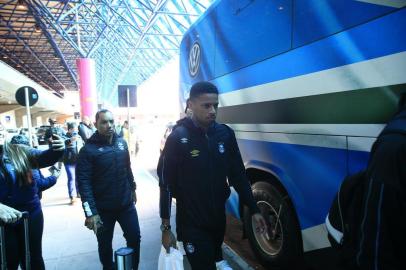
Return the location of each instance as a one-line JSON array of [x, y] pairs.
[[26, 243]]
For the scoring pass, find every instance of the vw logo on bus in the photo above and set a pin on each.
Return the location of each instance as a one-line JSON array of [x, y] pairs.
[[194, 59]]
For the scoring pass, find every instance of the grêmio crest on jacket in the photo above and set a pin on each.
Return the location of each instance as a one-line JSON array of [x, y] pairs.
[[120, 146], [221, 147]]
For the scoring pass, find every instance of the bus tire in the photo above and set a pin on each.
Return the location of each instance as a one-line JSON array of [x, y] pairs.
[[284, 246]]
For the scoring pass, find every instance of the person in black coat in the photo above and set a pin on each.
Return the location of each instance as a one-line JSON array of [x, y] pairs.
[[198, 164], [107, 189], [383, 227]]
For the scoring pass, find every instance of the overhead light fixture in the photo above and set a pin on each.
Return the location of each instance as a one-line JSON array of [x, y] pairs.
[[21, 4], [37, 28], [5, 56]]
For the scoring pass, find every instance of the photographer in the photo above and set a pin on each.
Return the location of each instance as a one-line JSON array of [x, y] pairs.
[[19, 192], [43, 183]]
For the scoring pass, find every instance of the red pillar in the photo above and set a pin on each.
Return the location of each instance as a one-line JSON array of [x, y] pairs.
[[88, 94]]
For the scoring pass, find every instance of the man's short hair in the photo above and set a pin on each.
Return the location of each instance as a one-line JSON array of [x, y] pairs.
[[201, 88], [70, 125], [100, 112]]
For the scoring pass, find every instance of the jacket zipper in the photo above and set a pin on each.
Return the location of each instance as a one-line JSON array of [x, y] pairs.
[[210, 174]]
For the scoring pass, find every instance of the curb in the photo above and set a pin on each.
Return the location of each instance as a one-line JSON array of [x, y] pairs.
[[232, 256]]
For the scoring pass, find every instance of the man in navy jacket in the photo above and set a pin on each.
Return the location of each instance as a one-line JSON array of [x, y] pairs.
[[383, 234], [107, 188], [200, 161]]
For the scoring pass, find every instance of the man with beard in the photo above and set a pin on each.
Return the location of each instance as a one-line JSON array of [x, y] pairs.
[[107, 189]]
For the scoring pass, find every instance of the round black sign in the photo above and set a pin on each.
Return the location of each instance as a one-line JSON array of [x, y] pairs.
[[32, 96]]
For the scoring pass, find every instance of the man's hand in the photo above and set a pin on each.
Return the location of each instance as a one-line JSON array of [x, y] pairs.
[[168, 240], [8, 214], [57, 143], [93, 223], [134, 196], [260, 224]]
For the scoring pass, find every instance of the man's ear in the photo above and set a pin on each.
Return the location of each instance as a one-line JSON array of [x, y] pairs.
[[188, 103]]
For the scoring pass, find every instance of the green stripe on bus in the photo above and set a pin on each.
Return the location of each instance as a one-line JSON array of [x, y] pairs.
[[362, 106]]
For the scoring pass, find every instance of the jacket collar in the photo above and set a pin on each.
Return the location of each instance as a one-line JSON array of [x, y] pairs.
[[397, 124], [192, 126], [96, 138]]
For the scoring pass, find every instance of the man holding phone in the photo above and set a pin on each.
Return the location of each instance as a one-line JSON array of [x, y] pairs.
[[50, 136]]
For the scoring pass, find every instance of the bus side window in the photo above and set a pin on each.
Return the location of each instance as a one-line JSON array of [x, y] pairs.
[[317, 19]]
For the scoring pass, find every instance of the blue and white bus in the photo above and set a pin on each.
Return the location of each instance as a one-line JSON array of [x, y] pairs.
[[307, 85]]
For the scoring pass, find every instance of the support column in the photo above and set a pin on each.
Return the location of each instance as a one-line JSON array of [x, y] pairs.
[[88, 94], [20, 115]]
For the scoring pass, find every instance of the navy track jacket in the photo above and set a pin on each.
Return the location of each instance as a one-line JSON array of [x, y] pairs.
[[197, 169], [104, 175], [383, 227]]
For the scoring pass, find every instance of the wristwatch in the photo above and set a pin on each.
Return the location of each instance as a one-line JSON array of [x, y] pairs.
[[165, 227]]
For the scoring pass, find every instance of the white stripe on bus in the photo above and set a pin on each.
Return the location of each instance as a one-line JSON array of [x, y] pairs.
[[363, 130], [382, 71], [388, 3], [336, 142]]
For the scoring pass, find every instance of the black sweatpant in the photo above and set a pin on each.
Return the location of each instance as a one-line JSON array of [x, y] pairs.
[[15, 243], [128, 220], [203, 247]]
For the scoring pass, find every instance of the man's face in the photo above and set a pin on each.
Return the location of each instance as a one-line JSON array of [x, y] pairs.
[[204, 108], [105, 124]]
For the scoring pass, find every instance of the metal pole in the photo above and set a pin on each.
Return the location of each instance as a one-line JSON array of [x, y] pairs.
[[3, 247], [27, 106], [128, 119], [27, 244]]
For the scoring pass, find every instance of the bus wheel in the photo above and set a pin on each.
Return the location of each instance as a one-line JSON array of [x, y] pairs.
[[281, 246]]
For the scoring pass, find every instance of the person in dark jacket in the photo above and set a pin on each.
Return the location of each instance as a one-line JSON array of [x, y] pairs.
[[73, 145], [383, 234], [49, 136], [199, 161], [19, 192], [86, 129], [107, 189]]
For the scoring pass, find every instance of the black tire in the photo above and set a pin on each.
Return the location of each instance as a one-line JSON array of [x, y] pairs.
[[284, 248]]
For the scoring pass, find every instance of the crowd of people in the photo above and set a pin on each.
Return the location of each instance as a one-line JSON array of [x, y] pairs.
[[199, 163]]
